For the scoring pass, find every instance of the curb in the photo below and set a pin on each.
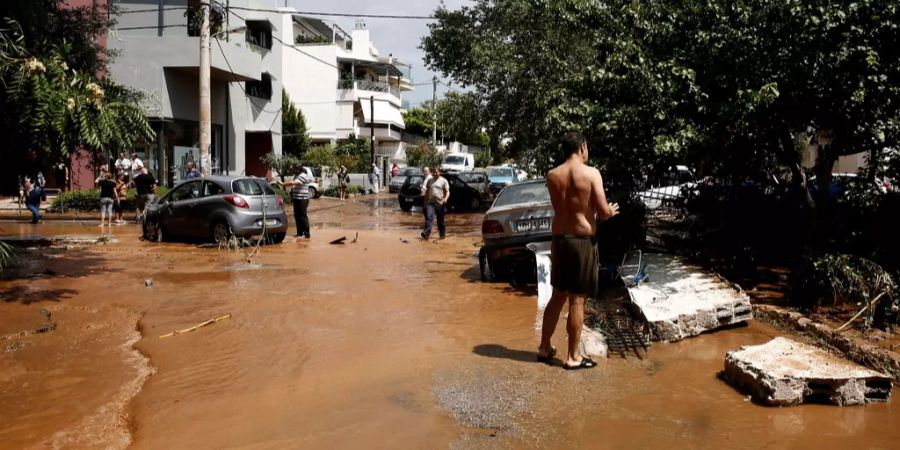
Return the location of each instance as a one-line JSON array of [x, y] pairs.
[[860, 352]]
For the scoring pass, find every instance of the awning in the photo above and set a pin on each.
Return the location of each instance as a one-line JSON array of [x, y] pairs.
[[385, 113]]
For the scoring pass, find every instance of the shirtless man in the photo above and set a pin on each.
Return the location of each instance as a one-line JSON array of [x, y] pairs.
[[576, 192]]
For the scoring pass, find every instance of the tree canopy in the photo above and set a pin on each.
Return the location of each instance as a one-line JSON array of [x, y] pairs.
[[295, 138], [720, 84]]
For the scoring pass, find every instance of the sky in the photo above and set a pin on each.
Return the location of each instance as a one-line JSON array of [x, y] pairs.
[[400, 37]]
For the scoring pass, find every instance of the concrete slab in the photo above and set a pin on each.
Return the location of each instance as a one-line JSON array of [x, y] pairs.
[[681, 300], [784, 372]]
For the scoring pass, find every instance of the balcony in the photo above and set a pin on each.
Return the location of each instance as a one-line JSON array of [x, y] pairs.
[[353, 90]]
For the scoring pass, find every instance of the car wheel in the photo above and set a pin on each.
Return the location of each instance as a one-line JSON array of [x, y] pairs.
[[221, 232], [490, 271], [152, 231], [275, 238], [313, 192], [475, 203], [406, 206]]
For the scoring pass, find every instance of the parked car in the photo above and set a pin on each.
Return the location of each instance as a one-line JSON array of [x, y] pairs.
[[217, 207], [520, 215], [479, 180], [669, 188], [840, 182], [314, 188], [462, 196], [397, 181], [501, 176]]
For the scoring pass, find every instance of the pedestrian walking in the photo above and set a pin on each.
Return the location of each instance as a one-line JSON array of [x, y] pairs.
[[137, 166], [423, 189], [108, 198], [191, 172], [437, 192], [62, 175], [33, 194], [42, 183], [375, 178], [395, 170], [300, 199], [121, 195], [145, 185], [577, 196], [343, 181], [123, 166]]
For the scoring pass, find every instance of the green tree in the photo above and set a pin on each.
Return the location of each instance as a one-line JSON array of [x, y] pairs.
[[422, 155], [355, 154], [295, 138], [418, 121], [461, 118]]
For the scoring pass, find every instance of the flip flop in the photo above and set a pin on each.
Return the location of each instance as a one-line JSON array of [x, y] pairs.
[[586, 363], [548, 358]]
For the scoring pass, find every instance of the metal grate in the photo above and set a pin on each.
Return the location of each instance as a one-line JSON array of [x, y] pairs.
[[623, 327]]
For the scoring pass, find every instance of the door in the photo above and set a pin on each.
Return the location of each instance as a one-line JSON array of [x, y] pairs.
[[210, 201], [182, 209]]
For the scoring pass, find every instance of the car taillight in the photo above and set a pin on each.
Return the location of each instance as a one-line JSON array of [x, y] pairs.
[[491, 227], [237, 201]]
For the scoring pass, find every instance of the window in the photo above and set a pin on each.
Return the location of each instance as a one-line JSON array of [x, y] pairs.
[[259, 34], [186, 191], [262, 88], [523, 193], [210, 189]]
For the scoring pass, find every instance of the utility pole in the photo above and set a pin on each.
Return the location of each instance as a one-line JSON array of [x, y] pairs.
[[434, 111], [372, 127], [205, 125]]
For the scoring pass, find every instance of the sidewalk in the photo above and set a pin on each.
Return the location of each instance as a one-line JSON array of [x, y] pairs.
[[10, 210]]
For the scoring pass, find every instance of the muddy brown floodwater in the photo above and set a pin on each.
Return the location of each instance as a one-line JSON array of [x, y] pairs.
[[389, 342]]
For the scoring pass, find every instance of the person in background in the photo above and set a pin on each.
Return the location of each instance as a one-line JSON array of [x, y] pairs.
[[190, 171], [42, 182], [423, 190], [145, 185], [62, 175], [300, 199], [123, 166], [33, 194], [343, 180], [395, 170], [437, 192], [121, 195], [375, 178], [137, 166], [108, 198]]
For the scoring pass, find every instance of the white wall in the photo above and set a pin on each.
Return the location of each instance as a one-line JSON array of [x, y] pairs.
[[310, 79]]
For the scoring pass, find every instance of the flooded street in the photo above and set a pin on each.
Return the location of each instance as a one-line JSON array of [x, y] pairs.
[[389, 342]]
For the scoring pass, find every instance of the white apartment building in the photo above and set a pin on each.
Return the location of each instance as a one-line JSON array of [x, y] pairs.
[[343, 85], [158, 47]]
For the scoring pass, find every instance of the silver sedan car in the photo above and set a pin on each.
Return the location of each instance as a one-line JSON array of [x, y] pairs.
[[217, 207], [521, 214]]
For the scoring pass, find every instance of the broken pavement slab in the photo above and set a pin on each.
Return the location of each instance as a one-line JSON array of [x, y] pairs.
[[783, 372], [680, 300]]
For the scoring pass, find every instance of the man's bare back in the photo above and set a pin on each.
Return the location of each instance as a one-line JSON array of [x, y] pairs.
[[576, 192]]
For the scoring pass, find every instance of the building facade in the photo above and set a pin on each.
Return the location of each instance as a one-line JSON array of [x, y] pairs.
[[157, 47], [343, 85]]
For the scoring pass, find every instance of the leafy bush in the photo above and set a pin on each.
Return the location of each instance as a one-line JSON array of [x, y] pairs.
[[89, 200], [334, 191], [837, 279]]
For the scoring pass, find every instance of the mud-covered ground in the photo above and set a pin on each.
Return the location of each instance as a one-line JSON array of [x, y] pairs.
[[389, 342]]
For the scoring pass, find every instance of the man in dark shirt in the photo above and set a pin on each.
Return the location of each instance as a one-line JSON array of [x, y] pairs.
[[191, 172], [146, 191], [33, 195]]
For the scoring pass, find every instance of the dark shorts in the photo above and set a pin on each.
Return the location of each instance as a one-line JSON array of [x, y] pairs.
[[574, 265]]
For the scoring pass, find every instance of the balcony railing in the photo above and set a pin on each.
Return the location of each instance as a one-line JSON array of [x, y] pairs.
[[367, 85]]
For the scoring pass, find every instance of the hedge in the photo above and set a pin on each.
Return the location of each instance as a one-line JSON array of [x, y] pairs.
[[90, 200]]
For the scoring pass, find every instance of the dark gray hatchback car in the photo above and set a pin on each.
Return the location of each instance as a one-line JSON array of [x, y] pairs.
[[216, 207]]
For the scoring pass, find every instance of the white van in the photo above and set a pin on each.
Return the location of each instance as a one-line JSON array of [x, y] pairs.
[[458, 162]]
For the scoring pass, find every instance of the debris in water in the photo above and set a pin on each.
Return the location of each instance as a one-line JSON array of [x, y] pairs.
[[199, 325], [339, 240], [355, 239], [148, 282]]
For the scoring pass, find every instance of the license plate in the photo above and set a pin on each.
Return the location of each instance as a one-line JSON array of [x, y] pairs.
[[271, 222], [529, 225]]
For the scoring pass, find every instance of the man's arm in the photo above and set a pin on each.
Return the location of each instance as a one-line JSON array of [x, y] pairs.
[[446, 191], [604, 209]]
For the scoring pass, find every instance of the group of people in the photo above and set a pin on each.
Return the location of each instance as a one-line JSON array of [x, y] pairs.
[[114, 189]]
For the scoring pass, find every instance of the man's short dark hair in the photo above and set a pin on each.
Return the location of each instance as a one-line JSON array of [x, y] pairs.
[[571, 143]]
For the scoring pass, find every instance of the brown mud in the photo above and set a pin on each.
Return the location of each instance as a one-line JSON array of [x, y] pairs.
[[390, 342]]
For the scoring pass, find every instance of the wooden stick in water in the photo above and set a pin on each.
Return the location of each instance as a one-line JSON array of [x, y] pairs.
[[199, 325]]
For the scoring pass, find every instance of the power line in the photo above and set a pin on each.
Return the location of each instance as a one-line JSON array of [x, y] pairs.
[[154, 27], [330, 14]]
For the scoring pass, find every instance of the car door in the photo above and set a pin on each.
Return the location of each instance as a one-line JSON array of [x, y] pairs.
[[209, 202], [460, 193], [182, 209]]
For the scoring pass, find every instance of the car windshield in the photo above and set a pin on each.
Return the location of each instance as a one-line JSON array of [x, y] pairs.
[[516, 194], [415, 179], [409, 171], [456, 159], [501, 172], [472, 177]]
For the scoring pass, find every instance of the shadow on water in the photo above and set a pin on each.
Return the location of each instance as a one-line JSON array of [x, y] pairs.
[[499, 351], [27, 295]]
